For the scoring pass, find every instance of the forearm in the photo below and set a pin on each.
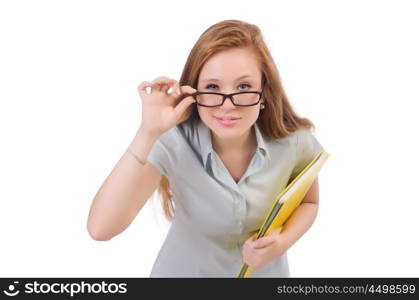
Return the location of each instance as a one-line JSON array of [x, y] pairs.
[[124, 192], [297, 224]]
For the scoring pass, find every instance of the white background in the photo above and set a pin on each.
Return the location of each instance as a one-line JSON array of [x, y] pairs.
[[69, 107]]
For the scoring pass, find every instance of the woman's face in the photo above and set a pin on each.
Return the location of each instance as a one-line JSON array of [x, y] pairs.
[[222, 73]]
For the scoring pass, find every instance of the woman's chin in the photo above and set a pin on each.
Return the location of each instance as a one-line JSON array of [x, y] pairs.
[[228, 134]]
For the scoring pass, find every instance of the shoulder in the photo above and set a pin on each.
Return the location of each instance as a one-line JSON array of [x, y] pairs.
[[175, 135], [307, 142], [169, 137], [175, 140], [302, 135], [188, 129], [299, 136], [301, 140], [293, 137], [306, 148]]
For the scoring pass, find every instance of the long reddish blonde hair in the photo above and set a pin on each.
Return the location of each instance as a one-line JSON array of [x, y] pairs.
[[276, 121]]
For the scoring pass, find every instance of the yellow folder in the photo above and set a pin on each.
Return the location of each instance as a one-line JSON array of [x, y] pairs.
[[287, 201]]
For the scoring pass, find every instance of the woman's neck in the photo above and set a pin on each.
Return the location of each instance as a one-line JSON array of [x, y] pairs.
[[244, 143]]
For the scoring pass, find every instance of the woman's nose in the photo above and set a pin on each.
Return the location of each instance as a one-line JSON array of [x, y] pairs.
[[228, 103]]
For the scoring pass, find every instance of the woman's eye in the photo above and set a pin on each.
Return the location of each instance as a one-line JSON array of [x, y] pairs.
[[240, 85], [245, 85], [211, 84]]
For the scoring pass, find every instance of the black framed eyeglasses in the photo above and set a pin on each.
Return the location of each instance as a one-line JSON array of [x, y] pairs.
[[213, 99]]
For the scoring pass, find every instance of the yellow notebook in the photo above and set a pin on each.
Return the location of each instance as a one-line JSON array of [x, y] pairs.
[[287, 201]]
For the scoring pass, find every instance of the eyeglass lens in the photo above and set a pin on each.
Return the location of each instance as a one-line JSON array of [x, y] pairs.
[[239, 99]]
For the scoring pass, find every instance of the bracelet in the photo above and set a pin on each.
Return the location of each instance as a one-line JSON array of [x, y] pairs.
[[135, 156]]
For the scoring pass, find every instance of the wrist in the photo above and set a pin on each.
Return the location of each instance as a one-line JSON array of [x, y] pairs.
[[148, 134], [139, 160], [141, 145]]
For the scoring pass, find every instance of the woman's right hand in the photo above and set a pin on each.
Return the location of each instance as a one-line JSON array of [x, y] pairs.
[[161, 110]]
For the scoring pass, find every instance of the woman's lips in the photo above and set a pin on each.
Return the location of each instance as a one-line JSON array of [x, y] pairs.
[[227, 121]]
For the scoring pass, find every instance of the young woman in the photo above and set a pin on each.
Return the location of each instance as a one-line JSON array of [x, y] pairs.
[[220, 147]]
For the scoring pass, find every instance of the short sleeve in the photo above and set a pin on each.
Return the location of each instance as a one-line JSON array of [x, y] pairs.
[[307, 147], [160, 155]]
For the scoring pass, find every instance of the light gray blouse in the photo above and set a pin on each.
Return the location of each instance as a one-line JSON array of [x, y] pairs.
[[214, 215]]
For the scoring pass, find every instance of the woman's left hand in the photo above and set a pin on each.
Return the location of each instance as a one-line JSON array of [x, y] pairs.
[[258, 252]]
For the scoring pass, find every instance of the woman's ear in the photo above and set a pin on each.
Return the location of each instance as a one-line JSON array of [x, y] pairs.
[[262, 104]]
